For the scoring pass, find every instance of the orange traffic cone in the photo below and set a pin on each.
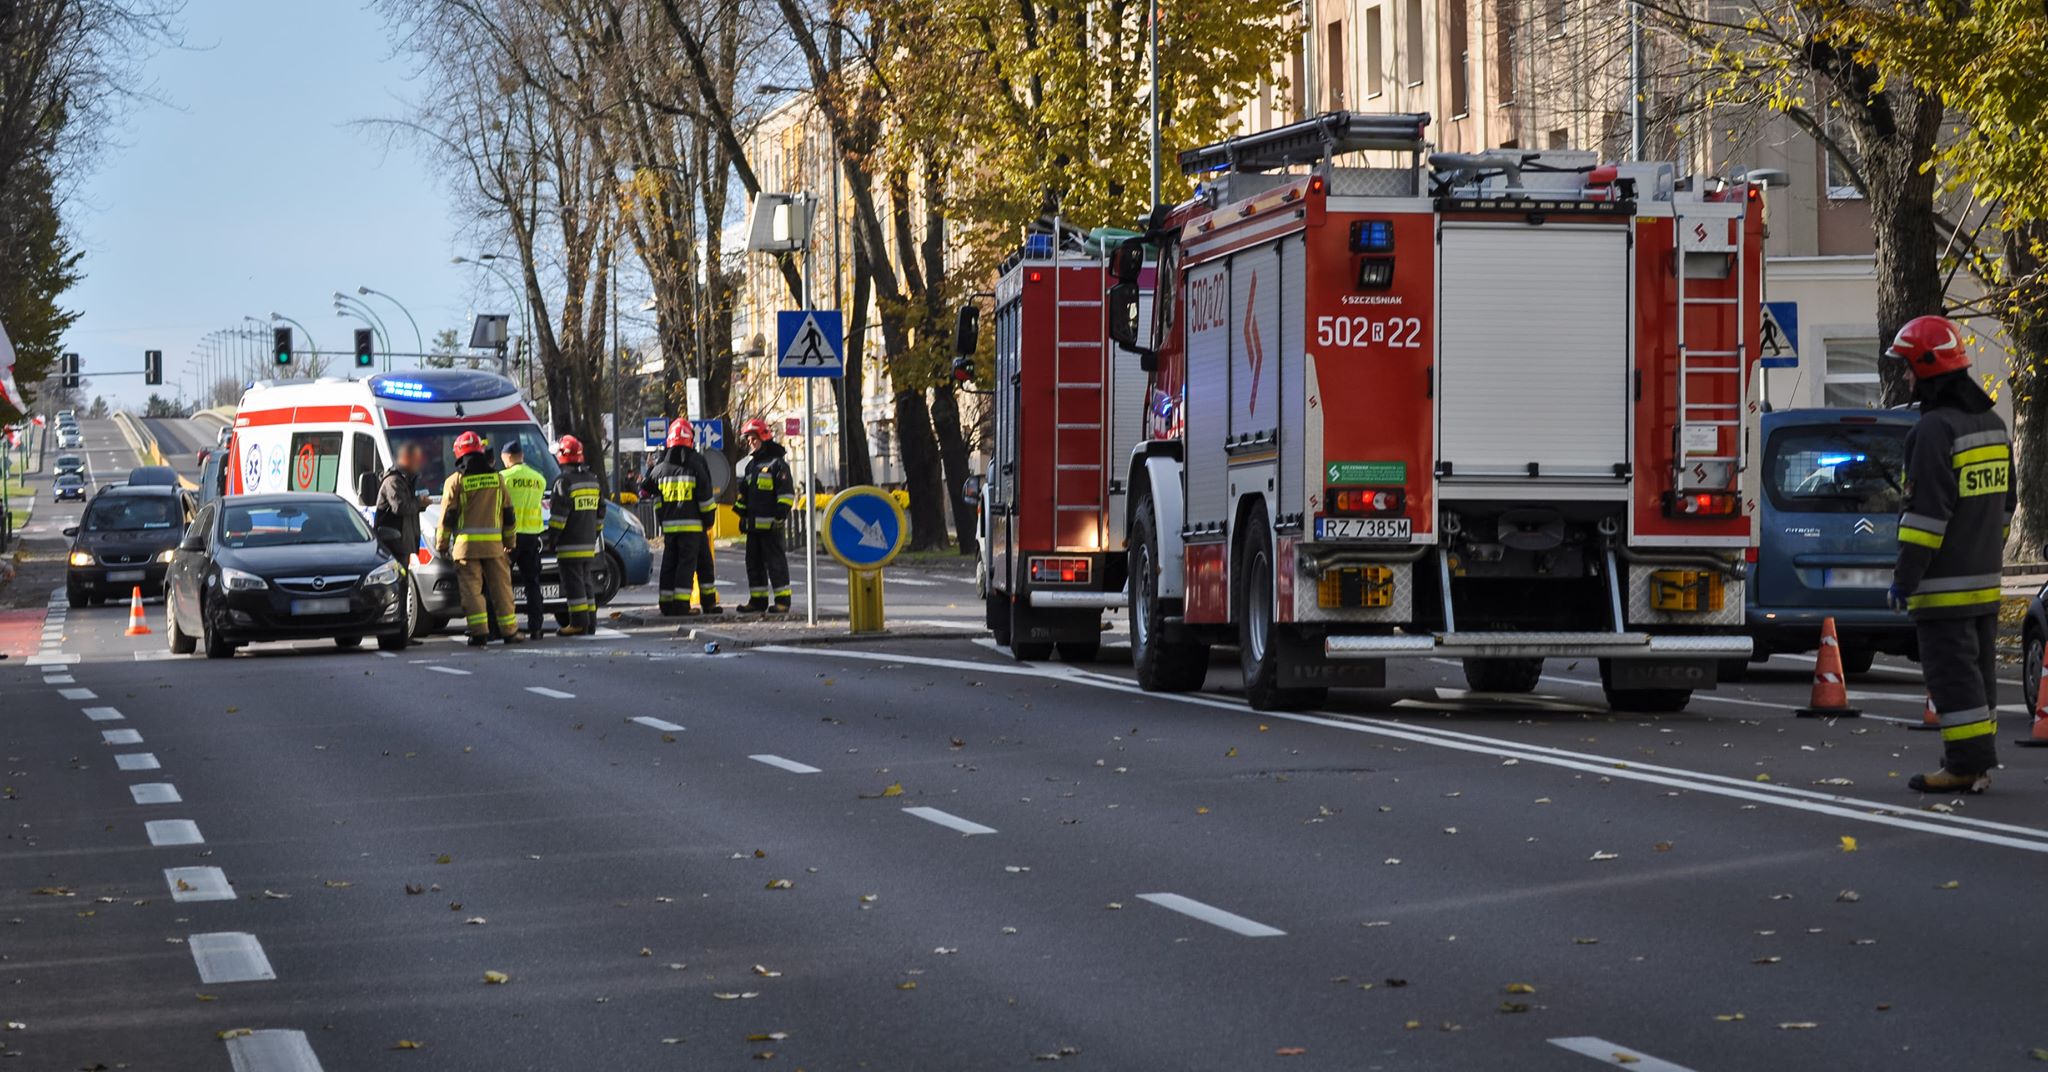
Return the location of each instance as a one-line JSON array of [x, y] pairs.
[[1830, 695], [2038, 736], [1930, 719], [137, 626]]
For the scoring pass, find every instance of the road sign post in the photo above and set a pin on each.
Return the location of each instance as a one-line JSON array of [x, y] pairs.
[[864, 529], [811, 344]]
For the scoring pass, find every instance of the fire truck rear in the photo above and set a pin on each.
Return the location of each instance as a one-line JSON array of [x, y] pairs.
[[1490, 407]]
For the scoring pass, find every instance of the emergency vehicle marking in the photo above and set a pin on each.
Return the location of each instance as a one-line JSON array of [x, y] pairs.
[[1254, 344], [254, 466], [307, 459], [1362, 332]]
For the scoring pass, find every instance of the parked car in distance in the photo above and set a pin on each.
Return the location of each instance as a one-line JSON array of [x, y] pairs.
[[124, 541], [69, 463], [70, 487], [281, 567], [1832, 484]]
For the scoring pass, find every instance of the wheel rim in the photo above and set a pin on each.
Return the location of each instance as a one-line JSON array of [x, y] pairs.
[[1258, 604], [2033, 670], [1141, 585]]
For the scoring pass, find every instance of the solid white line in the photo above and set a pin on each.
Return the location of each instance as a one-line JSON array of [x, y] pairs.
[[173, 832], [790, 765], [137, 761], [120, 737], [950, 822], [272, 1051], [229, 957], [1608, 1053], [448, 670], [103, 714], [912, 582], [1229, 921], [78, 694], [552, 694], [200, 884]]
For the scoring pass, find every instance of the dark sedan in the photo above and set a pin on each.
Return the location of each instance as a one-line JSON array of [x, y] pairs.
[[70, 487], [281, 567], [123, 543]]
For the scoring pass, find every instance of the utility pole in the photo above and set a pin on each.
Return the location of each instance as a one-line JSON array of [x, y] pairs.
[[1152, 75], [1636, 87]]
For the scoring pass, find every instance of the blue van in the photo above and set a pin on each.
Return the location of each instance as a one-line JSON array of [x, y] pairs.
[[1829, 488]]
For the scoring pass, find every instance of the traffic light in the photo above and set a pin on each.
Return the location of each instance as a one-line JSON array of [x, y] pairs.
[[152, 367], [366, 348], [281, 345], [70, 370]]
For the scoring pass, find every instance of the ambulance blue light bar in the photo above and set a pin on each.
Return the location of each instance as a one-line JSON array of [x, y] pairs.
[[443, 385], [409, 390]]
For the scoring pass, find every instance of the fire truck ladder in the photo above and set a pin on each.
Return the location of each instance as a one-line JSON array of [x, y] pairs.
[[1702, 367], [1064, 417]]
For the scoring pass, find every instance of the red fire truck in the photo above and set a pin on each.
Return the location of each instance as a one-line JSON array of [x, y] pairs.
[[1490, 407]]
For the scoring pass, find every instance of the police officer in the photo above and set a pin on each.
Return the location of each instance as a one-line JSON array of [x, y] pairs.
[[682, 481], [1959, 505], [766, 494], [526, 488], [399, 501], [476, 529], [575, 525]]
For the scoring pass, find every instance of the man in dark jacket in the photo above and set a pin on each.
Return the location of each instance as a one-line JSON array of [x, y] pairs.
[[766, 494], [399, 502], [1959, 506], [680, 484]]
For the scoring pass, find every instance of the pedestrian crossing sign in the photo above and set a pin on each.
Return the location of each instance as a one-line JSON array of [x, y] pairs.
[[809, 342]]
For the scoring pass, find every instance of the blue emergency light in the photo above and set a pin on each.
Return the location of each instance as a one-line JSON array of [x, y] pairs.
[[409, 390], [1372, 236]]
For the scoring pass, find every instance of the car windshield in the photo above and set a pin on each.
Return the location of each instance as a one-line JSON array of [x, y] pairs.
[[69, 479], [1838, 469], [131, 513], [290, 524], [440, 446]]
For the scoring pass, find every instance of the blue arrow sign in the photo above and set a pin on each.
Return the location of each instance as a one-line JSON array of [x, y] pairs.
[[809, 342], [864, 528], [710, 434]]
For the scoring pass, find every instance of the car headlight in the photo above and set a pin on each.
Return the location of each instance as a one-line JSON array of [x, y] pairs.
[[384, 574], [235, 580], [167, 554], [82, 558]]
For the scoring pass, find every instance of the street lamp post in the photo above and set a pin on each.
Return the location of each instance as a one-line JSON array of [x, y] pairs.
[[419, 344], [483, 260], [347, 305]]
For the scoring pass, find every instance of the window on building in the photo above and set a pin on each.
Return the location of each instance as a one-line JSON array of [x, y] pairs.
[[1851, 367], [1298, 90], [1506, 24], [1841, 181], [1375, 52], [1418, 44], [1333, 33], [1457, 35], [1555, 14], [1559, 139]]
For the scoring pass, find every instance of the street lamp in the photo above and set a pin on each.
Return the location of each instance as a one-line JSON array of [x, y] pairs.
[[419, 344], [483, 260], [348, 305]]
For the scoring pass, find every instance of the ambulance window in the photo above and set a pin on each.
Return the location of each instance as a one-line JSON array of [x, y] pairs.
[[314, 461], [364, 459]]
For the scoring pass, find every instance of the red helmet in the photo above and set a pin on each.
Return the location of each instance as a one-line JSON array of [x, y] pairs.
[[570, 450], [756, 427], [1932, 346], [681, 433], [468, 443]]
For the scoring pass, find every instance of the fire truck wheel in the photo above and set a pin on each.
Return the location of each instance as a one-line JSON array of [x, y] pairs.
[[1079, 651], [1258, 635], [1031, 651], [1503, 675], [1731, 671], [999, 618], [1162, 665], [1648, 701]]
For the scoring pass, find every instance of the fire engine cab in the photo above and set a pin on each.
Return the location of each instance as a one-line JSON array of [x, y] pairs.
[[1485, 406]]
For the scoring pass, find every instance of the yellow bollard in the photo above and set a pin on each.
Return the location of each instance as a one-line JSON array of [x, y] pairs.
[[864, 601]]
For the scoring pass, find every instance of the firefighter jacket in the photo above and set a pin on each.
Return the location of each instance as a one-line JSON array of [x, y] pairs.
[[766, 492], [682, 481], [476, 514], [1959, 504], [576, 513], [526, 488]]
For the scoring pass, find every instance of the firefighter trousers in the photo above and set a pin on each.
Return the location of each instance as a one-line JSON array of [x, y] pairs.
[[1959, 663], [579, 592], [707, 576], [680, 562], [486, 581], [526, 566], [767, 567]]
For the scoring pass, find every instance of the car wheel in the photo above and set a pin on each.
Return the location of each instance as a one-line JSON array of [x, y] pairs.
[[2030, 670], [610, 574], [181, 644], [99, 601], [75, 597], [393, 641], [217, 646], [348, 643], [1858, 659]]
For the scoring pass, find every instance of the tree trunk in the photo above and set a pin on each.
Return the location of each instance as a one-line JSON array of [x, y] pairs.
[[922, 471], [953, 452], [852, 388], [2025, 315]]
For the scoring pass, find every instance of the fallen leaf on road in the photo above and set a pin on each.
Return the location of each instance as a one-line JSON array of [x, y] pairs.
[[1201, 811], [1290, 1051], [1848, 843], [234, 1032], [1767, 960], [1662, 846], [184, 885], [1728, 1017], [1949, 885], [2038, 1054], [1763, 777], [780, 884], [444, 858], [476, 921], [206, 997], [339, 884], [1114, 905], [1848, 897], [54, 891], [646, 952], [895, 789], [1626, 1058], [405, 1044], [1798, 1025], [1514, 1006], [412, 890], [1232, 754], [907, 984], [768, 1036], [1520, 988], [1411, 1025], [496, 978], [766, 973], [276, 896], [760, 854]]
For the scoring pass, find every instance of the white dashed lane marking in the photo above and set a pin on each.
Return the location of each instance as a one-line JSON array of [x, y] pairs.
[[658, 724], [1607, 1053], [272, 1051], [1229, 921], [155, 793], [103, 714], [173, 832], [78, 694], [552, 694], [120, 736], [790, 765], [52, 659], [229, 957], [60, 679], [137, 761], [198, 884], [949, 821], [448, 670]]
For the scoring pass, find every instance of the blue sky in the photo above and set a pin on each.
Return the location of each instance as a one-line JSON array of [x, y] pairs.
[[248, 191]]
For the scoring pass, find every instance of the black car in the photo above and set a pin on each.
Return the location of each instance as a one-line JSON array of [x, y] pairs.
[[281, 567], [123, 542], [154, 476], [70, 487]]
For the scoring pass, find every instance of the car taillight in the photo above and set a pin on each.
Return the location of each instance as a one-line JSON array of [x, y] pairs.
[[1702, 504], [1060, 570], [1364, 500]]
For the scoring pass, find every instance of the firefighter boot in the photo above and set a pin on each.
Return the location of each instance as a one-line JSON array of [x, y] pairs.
[[1944, 781], [570, 630], [478, 641]]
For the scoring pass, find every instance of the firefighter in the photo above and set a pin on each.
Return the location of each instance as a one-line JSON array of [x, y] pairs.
[[575, 526], [683, 483], [477, 525], [1959, 506], [526, 488], [763, 503]]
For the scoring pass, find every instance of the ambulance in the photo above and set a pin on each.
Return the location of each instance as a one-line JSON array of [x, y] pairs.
[[339, 435]]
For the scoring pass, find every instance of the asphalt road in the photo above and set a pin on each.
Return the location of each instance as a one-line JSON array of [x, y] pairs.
[[987, 865]]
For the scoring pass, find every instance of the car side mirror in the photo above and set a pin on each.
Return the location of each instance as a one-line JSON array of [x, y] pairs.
[[193, 541], [366, 488], [1128, 260], [1123, 322], [967, 331], [72, 531], [389, 536]]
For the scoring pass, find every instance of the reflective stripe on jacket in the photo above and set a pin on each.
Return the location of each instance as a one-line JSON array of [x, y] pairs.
[[766, 492], [576, 507], [1959, 504], [526, 487], [476, 520], [683, 483]]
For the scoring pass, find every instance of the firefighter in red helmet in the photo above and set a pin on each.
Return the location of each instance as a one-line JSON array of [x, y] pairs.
[[684, 508], [477, 528], [1959, 506], [576, 529], [766, 494]]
